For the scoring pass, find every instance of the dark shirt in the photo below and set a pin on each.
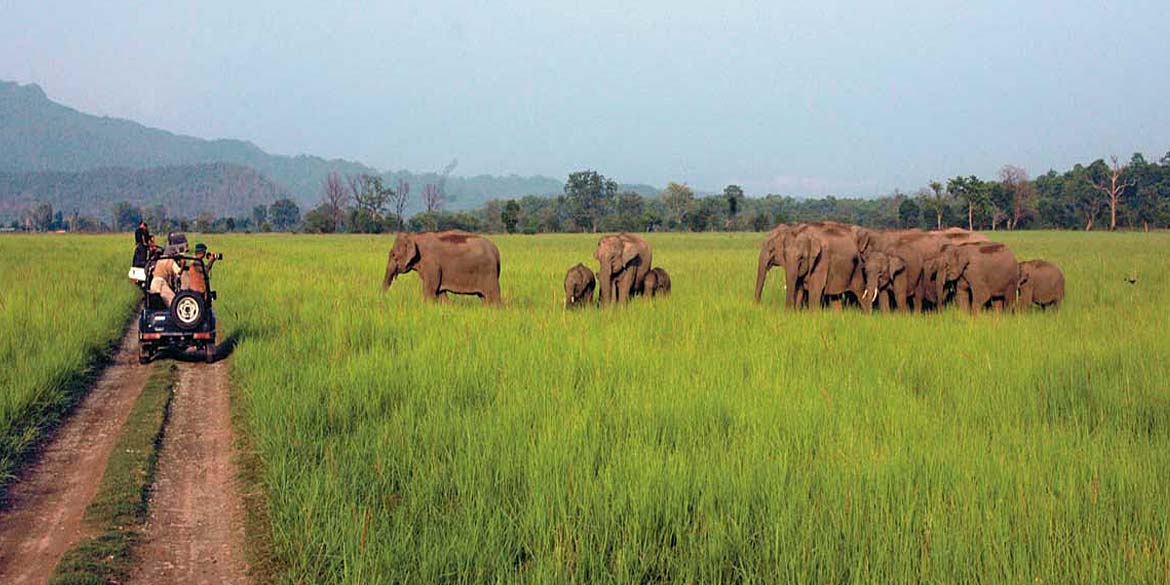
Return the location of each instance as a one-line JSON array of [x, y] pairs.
[[142, 236]]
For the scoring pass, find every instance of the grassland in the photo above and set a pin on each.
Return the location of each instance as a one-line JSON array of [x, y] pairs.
[[700, 438], [64, 301], [697, 438]]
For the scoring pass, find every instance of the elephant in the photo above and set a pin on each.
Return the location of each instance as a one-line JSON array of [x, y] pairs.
[[1041, 283], [455, 262], [885, 276], [820, 260], [981, 272], [624, 260], [915, 248], [579, 285], [657, 283]]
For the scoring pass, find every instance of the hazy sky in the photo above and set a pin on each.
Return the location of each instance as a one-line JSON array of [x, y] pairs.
[[852, 98]]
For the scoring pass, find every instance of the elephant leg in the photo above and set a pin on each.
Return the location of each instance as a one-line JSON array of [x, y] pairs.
[[979, 297], [884, 301], [816, 290], [491, 294], [963, 296], [836, 303], [900, 299], [1010, 300], [625, 286], [430, 284]]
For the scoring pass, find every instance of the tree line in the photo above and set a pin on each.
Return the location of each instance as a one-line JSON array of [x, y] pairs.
[[1100, 195]]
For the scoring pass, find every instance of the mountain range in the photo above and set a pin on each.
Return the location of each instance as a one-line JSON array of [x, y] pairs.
[[80, 162]]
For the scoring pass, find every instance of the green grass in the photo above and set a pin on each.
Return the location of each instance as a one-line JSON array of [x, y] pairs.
[[119, 508], [697, 438], [64, 303], [700, 438]]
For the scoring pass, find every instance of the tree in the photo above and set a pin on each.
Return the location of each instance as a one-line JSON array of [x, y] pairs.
[[1151, 198], [588, 194], [432, 198], [679, 201], [334, 201], [1021, 192], [126, 216], [1112, 182], [259, 217], [203, 223], [629, 212], [935, 199], [972, 191], [370, 196], [399, 198], [41, 217], [909, 213], [1079, 190], [156, 218], [734, 195], [284, 214], [511, 216]]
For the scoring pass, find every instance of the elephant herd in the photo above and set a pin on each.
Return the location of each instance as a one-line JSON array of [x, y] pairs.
[[825, 264], [829, 263], [624, 271]]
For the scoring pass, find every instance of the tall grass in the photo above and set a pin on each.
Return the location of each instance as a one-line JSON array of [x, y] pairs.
[[63, 302], [701, 437]]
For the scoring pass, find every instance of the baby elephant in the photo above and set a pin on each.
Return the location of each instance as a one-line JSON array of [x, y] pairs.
[[1041, 283], [579, 285], [657, 282]]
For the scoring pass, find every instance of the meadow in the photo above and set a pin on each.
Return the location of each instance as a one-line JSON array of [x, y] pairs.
[[64, 301], [700, 437]]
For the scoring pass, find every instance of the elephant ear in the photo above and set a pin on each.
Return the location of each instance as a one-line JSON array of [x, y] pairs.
[[896, 265], [629, 252], [412, 252], [812, 252], [863, 240], [962, 260]]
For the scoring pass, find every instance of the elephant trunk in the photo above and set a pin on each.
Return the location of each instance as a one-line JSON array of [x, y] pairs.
[[762, 272], [940, 289], [391, 272], [791, 283], [605, 282], [867, 300]]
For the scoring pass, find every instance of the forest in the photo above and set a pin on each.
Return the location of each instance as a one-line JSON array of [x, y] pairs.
[[1104, 194]]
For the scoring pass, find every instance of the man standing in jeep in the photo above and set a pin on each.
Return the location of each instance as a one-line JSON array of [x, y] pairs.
[[193, 278]]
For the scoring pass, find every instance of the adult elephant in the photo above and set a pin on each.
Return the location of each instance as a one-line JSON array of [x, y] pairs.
[[916, 249], [455, 262], [820, 263], [980, 272], [624, 260]]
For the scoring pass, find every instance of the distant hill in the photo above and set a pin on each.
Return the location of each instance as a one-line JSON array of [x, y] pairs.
[[221, 189], [38, 134]]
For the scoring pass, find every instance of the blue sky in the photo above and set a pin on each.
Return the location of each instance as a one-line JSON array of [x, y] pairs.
[[847, 98]]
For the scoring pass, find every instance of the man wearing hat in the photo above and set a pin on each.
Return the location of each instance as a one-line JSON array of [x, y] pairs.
[[193, 277]]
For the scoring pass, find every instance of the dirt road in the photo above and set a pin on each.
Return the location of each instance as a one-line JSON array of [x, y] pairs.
[[43, 516], [195, 532]]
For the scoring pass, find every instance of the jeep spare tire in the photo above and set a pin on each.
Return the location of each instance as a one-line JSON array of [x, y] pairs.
[[188, 310]]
